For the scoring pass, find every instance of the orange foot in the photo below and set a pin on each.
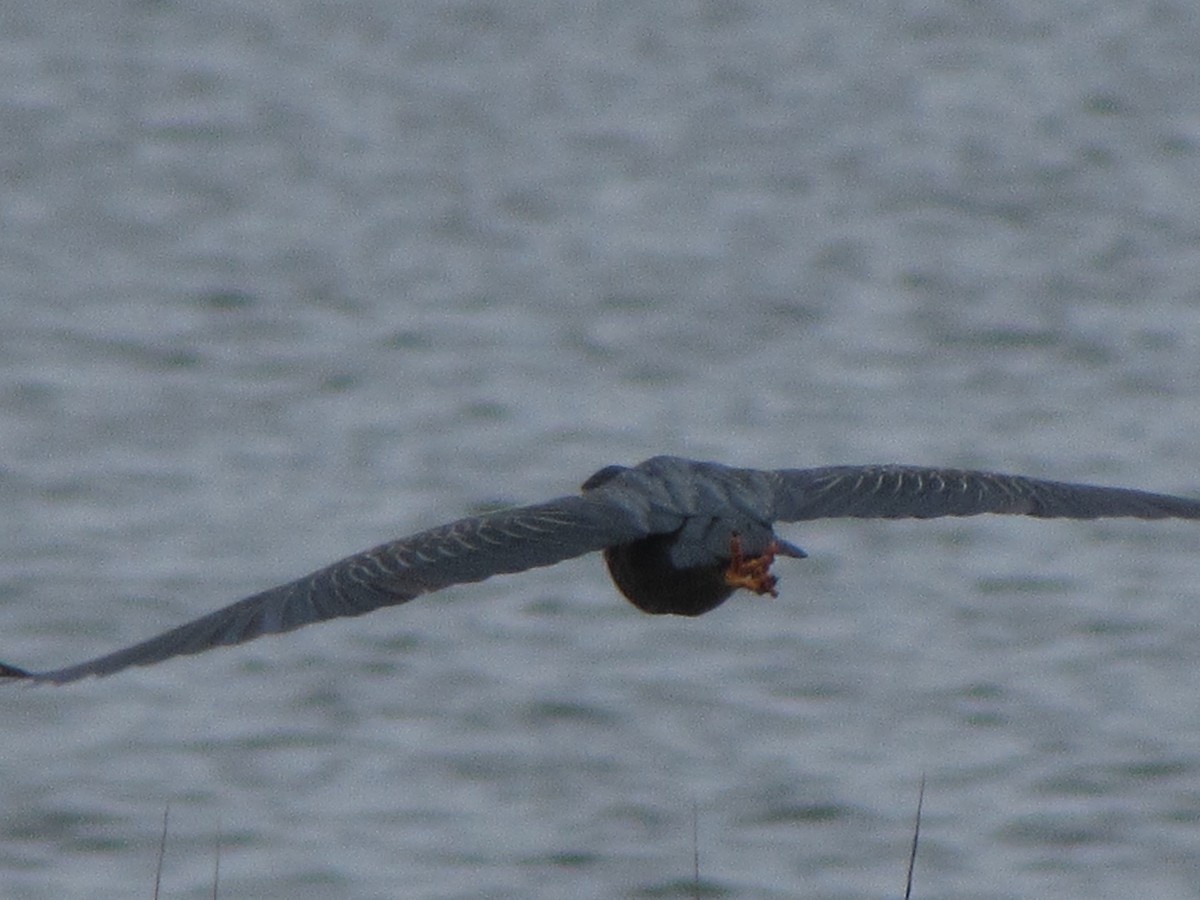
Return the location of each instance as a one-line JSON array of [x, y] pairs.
[[751, 572]]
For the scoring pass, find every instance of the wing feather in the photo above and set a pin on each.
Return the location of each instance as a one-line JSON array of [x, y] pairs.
[[468, 550], [902, 492]]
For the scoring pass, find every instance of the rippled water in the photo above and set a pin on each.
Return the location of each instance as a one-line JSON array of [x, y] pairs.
[[283, 280]]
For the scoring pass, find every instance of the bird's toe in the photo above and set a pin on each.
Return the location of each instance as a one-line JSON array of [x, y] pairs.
[[753, 573]]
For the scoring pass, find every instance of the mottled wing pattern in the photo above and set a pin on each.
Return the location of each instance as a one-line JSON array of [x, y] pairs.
[[901, 492], [468, 550]]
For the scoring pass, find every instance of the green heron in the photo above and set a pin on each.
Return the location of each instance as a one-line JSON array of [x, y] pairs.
[[678, 537]]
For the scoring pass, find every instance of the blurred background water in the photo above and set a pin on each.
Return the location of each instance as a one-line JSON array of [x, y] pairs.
[[279, 281]]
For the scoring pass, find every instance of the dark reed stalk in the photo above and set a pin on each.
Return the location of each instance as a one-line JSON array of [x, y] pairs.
[[217, 861], [912, 855], [162, 852], [695, 851]]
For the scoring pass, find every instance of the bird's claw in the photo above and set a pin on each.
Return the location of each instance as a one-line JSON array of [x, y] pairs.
[[751, 572]]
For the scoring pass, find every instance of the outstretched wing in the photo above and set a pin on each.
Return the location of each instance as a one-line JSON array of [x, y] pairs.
[[468, 550], [903, 492]]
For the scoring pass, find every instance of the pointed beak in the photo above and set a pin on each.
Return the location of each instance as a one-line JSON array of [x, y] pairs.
[[783, 548]]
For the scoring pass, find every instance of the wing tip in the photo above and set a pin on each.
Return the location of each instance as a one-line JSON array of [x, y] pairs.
[[12, 672]]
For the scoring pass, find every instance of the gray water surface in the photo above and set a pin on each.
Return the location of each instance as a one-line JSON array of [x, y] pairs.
[[279, 281]]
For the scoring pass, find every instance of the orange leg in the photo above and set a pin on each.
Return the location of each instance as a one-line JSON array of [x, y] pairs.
[[751, 572]]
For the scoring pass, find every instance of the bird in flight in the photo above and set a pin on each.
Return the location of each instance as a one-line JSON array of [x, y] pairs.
[[678, 537]]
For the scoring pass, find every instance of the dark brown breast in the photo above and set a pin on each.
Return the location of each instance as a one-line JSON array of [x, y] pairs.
[[643, 572]]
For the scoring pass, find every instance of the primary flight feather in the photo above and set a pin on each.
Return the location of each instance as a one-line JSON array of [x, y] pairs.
[[678, 537]]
